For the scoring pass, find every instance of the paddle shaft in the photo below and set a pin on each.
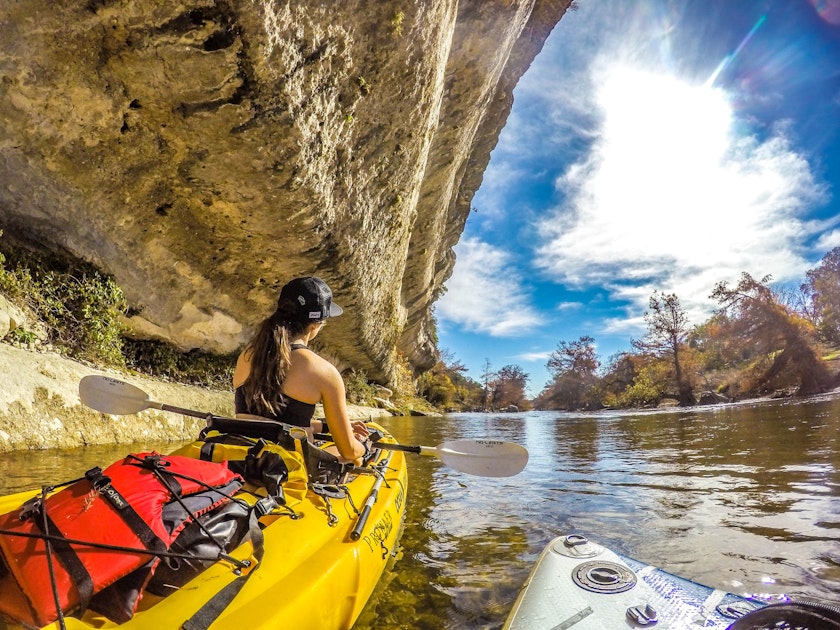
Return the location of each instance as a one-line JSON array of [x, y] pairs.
[[485, 458], [406, 448], [181, 410]]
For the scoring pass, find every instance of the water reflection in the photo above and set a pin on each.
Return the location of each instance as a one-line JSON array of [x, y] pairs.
[[743, 497]]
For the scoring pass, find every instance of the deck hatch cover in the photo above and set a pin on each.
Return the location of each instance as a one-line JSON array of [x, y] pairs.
[[603, 577]]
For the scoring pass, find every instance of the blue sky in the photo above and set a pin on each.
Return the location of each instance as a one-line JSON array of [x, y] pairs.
[[653, 145]]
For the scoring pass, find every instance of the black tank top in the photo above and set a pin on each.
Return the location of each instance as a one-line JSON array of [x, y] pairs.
[[295, 412]]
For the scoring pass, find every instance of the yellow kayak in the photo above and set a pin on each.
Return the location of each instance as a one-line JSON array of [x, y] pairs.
[[321, 555], [251, 525]]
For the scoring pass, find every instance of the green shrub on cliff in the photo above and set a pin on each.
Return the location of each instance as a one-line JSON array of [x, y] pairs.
[[359, 390], [80, 307]]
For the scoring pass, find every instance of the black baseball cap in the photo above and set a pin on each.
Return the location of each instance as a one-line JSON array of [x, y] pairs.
[[312, 299]]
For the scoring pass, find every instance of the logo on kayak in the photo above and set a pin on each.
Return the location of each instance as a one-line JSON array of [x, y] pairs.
[[380, 533]]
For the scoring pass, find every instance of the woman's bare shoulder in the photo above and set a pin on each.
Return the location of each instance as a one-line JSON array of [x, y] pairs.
[[243, 368], [317, 366]]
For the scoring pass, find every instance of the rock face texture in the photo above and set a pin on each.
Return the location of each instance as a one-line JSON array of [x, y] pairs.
[[203, 152]]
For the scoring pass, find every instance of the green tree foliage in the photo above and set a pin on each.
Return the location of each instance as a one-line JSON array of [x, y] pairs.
[[619, 374], [822, 285], [167, 361], [359, 390], [437, 387], [757, 320], [714, 346], [574, 385], [648, 387], [668, 329]]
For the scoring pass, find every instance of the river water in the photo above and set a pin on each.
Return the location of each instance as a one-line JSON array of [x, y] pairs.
[[741, 497]]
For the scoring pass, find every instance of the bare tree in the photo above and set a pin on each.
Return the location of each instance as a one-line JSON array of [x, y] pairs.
[[487, 377], [668, 329]]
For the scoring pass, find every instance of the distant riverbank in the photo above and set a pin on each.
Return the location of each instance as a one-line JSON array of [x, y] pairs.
[[40, 406]]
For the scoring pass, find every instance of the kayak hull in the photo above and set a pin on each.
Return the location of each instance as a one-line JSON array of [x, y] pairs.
[[313, 574], [580, 584]]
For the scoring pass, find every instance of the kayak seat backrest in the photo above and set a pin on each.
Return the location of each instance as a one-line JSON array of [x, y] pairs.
[[270, 430]]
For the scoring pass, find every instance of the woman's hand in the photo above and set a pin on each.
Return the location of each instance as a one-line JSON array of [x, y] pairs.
[[360, 430]]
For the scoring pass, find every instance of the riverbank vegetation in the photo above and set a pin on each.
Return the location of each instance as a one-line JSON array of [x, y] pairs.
[[759, 342], [73, 309]]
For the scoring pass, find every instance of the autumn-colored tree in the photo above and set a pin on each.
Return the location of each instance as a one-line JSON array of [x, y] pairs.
[[574, 385], [619, 373], [758, 319], [668, 329], [508, 388], [822, 285], [649, 386]]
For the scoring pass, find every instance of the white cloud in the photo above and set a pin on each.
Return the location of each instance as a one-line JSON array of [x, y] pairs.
[[828, 241], [672, 197], [484, 294], [534, 356], [570, 306]]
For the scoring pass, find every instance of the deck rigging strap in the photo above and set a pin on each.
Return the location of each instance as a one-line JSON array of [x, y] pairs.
[[44, 523], [209, 612]]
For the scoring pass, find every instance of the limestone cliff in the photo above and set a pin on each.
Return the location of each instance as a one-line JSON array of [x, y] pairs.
[[205, 151]]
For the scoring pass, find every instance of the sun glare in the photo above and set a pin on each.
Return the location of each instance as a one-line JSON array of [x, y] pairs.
[[671, 187], [665, 140]]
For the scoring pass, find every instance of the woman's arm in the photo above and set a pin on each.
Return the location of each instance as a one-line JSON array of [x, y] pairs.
[[335, 409]]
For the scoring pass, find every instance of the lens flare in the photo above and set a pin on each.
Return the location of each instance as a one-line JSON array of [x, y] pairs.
[[730, 57], [828, 10]]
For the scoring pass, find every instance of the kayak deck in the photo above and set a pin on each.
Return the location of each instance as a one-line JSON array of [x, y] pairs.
[[582, 585], [314, 572]]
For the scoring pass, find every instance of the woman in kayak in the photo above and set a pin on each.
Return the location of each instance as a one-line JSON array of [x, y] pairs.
[[278, 377]]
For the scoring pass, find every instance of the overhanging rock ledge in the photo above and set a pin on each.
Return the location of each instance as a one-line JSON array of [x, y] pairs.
[[204, 152]]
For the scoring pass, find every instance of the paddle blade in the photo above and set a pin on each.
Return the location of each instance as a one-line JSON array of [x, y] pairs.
[[109, 395], [485, 458]]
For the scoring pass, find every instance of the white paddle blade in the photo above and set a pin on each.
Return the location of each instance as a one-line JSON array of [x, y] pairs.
[[485, 458], [109, 395]]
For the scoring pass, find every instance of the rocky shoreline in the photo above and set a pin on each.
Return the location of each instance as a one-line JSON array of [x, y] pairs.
[[40, 406]]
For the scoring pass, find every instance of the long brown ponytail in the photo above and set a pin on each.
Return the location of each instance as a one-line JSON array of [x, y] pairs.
[[271, 354]]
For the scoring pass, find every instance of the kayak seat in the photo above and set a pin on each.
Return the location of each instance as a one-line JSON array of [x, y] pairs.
[[230, 439], [271, 430]]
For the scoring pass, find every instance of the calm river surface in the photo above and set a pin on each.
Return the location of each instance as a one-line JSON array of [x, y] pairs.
[[742, 497]]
